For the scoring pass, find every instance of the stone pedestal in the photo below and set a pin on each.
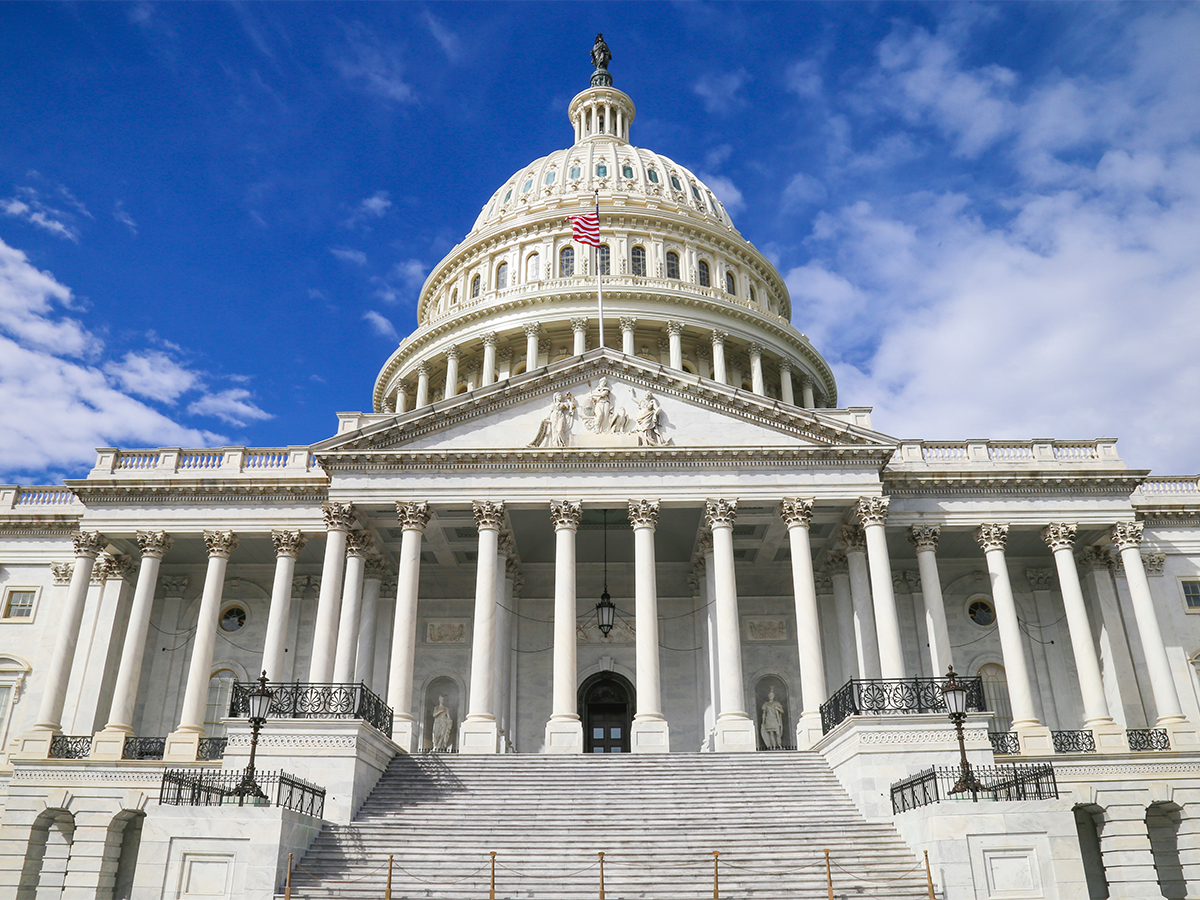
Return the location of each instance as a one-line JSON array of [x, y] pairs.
[[182, 746], [735, 734], [808, 731], [1110, 737], [35, 744], [479, 736], [564, 736], [650, 735], [404, 734], [109, 744], [1035, 739], [1183, 735]]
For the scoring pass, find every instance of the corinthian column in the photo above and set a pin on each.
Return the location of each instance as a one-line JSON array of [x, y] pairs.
[[375, 570], [338, 519], [479, 732], [1060, 538], [185, 740], [735, 729], [531, 330], [786, 391], [757, 383], [111, 742], [866, 645], [422, 398], [627, 325], [1127, 536], [718, 356], [579, 334], [564, 732], [650, 732], [288, 545], [489, 359], [872, 513], [797, 513], [413, 519], [925, 539], [358, 546], [1034, 737], [675, 344]]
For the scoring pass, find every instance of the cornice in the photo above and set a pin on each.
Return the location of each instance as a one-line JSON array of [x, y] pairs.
[[202, 491], [41, 526], [1006, 482], [1164, 517]]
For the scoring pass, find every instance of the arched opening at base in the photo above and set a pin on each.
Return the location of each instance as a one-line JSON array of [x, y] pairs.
[[606, 705], [1086, 818], [44, 872], [1162, 824]]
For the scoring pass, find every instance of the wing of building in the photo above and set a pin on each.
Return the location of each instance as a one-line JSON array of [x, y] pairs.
[[606, 502]]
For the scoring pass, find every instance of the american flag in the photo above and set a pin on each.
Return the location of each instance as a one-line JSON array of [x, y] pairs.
[[586, 229]]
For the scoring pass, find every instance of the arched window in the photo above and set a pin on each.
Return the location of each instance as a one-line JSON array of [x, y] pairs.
[[604, 259], [652, 175], [730, 283], [705, 276], [672, 264], [550, 176], [502, 276], [995, 695], [566, 262], [220, 693], [454, 297], [532, 272], [475, 287], [528, 185], [639, 260], [601, 171], [752, 299]]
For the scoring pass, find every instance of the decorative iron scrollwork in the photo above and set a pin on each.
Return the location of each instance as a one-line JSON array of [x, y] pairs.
[[1143, 739], [1074, 741], [298, 700], [880, 696], [70, 746]]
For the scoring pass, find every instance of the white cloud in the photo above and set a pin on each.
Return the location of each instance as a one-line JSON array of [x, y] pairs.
[[40, 217], [122, 215], [449, 41], [725, 190], [719, 91], [346, 255], [378, 69], [28, 302], [411, 272], [233, 406], [380, 325], [802, 188], [804, 79], [153, 375], [373, 207]]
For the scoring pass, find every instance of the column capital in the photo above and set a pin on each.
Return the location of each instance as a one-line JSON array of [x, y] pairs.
[[505, 353], [423, 370], [512, 569], [1040, 579], [643, 513], [338, 516], [404, 387], [924, 537], [1126, 535], [288, 543], [785, 364], [490, 339], [1059, 535], [154, 543], [854, 539], [718, 337], [62, 573], [720, 513], [531, 329], [113, 565], [578, 323], [675, 328], [872, 510], [755, 350], [506, 545], [992, 536], [628, 323], [807, 382], [488, 514], [704, 544], [836, 562], [451, 352], [220, 544], [359, 543], [377, 567], [1091, 558], [566, 514], [796, 511], [88, 543], [412, 516], [173, 585]]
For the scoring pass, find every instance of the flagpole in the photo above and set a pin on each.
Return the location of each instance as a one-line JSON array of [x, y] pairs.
[[599, 276]]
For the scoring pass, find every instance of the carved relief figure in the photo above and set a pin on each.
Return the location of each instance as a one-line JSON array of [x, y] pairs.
[[555, 430], [603, 417], [772, 722], [443, 725], [647, 427]]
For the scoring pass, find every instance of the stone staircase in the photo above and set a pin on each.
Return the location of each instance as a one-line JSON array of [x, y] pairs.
[[657, 819]]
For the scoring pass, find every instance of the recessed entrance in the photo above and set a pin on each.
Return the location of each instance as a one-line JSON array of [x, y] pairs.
[[606, 700]]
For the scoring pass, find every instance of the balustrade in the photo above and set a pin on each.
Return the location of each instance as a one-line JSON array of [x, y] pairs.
[[299, 700], [885, 696]]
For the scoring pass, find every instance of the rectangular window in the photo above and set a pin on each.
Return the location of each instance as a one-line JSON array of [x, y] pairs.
[[1191, 595], [605, 259], [19, 603]]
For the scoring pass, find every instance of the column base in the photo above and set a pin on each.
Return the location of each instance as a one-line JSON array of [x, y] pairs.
[[1183, 735], [404, 734], [1110, 737], [808, 731], [564, 736], [479, 736], [109, 744], [735, 734], [1034, 739], [182, 746], [35, 744], [650, 735]]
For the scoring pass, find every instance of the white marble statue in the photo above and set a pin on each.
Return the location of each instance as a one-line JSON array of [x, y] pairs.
[[555, 429], [648, 426], [443, 725], [602, 417], [772, 722]]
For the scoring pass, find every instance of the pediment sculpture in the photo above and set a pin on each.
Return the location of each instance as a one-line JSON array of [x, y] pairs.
[[602, 416]]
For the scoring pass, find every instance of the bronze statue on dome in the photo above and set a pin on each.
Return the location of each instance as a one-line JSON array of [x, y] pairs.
[[601, 57]]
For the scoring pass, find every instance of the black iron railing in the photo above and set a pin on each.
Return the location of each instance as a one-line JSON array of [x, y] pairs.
[[223, 787], [70, 746], [1013, 782], [777, 749], [881, 696], [298, 700], [1074, 741], [144, 748], [1142, 739], [211, 748], [1004, 742]]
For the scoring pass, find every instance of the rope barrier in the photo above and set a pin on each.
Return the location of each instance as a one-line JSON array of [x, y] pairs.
[[876, 880], [551, 875]]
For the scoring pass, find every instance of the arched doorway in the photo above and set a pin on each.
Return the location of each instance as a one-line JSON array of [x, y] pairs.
[[606, 703]]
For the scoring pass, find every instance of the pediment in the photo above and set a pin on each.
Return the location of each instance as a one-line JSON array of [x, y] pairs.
[[605, 401]]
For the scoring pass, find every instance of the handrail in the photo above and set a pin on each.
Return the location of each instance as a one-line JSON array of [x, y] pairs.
[[301, 700], [893, 696]]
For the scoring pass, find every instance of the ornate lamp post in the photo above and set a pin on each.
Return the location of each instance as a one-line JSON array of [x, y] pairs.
[[605, 610], [259, 700], [955, 694]]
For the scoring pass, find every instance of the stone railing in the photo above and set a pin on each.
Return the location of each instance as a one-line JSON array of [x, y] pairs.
[[1170, 485], [39, 499], [168, 462], [1003, 454]]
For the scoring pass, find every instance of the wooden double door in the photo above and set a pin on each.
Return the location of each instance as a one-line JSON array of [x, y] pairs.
[[606, 701]]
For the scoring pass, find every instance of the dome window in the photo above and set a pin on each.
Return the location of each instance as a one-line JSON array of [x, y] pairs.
[[705, 275], [675, 183], [604, 259], [730, 283], [652, 175], [508, 196], [454, 297], [602, 171], [475, 287], [639, 260], [696, 194], [550, 176], [566, 262], [528, 186], [752, 298], [575, 173], [502, 276], [531, 267], [672, 264], [627, 171]]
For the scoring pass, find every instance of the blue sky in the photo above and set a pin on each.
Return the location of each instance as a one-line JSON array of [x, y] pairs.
[[215, 218]]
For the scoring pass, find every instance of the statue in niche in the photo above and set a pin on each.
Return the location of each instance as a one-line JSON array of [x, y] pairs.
[[443, 725], [555, 430], [603, 417], [771, 725], [648, 426]]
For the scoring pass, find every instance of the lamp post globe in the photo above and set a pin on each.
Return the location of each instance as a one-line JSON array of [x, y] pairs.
[[258, 699], [954, 692]]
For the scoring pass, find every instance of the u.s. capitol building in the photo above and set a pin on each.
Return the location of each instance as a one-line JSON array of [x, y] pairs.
[[658, 534]]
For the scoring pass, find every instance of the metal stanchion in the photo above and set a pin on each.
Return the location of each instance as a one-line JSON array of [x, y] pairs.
[[601, 855], [387, 892], [828, 875], [287, 885], [929, 877], [492, 889], [716, 877]]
